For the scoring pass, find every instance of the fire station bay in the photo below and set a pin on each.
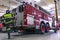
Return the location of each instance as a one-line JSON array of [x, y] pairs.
[[29, 19]]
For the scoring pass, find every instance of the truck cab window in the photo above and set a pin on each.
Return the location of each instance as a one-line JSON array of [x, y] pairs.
[[21, 8]]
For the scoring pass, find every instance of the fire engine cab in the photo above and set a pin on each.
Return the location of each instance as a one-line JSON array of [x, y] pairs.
[[28, 17]]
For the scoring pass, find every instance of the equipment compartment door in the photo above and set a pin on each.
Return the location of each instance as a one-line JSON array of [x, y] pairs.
[[30, 20]]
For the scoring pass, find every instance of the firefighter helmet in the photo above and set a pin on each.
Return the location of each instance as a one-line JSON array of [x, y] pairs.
[[7, 11]]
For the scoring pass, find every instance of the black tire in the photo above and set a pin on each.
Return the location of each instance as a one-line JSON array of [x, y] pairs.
[[42, 28], [47, 27]]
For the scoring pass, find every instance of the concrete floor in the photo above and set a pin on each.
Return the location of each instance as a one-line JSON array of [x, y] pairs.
[[47, 36]]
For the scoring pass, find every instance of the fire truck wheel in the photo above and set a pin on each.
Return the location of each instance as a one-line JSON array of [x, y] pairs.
[[47, 27], [42, 28]]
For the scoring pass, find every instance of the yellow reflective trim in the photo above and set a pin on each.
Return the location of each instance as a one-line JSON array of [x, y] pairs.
[[7, 15], [9, 22]]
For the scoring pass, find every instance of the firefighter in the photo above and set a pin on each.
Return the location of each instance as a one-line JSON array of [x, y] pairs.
[[7, 21]]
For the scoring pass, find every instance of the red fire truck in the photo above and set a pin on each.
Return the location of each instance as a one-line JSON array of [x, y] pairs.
[[28, 17], [59, 22]]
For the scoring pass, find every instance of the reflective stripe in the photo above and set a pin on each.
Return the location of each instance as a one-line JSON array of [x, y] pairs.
[[9, 22], [8, 29], [2, 18], [7, 16]]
